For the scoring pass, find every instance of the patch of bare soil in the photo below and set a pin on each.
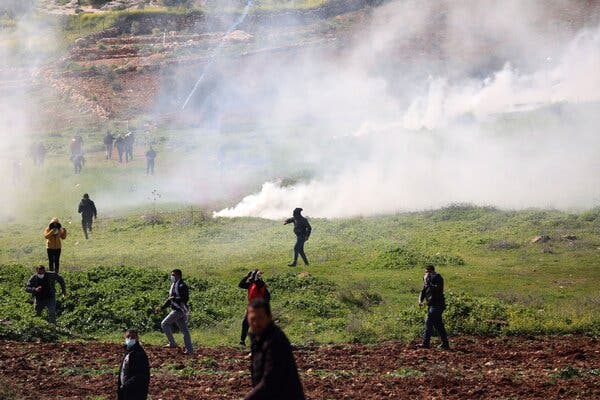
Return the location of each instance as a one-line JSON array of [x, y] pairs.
[[475, 368]]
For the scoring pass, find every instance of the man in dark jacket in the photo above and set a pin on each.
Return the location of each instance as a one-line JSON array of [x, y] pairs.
[[302, 229], [87, 209], [257, 289], [108, 144], [177, 300], [134, 373], [433, 294], [150, 156], [274, 372], [120, 145], [42, 287]]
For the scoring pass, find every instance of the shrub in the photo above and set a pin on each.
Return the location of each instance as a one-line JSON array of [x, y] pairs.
[[403, 257]]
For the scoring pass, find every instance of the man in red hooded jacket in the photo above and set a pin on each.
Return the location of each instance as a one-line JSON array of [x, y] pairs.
[[257, 289]]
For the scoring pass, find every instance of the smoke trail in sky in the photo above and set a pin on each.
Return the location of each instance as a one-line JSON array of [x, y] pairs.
[[217, 51]]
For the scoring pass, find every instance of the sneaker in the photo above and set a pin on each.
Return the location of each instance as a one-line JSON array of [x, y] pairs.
[[187, 353], [444, 346], [170, 346], [422, 346], [292, 265], [242, 343]]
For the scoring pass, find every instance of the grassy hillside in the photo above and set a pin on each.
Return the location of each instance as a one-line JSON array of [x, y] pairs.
[[363, 281]]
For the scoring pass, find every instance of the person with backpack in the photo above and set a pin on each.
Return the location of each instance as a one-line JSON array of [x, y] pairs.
[[257, 289]]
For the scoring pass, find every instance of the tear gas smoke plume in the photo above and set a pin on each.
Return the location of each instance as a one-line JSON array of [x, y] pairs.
[[431, 103], [405, 106]]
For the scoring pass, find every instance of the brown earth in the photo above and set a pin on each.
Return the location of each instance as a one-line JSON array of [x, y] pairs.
[[475, 368]]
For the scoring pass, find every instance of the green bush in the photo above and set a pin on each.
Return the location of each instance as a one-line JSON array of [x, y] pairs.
[[403, 257]]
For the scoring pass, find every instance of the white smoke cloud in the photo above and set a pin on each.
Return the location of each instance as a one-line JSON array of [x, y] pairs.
[[521, 136]]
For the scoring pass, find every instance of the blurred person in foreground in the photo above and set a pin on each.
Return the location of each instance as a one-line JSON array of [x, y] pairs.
[[134, 372], [433, 294], [273, 368]]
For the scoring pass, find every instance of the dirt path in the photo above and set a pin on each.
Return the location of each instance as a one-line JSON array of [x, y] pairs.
[[476, 368]]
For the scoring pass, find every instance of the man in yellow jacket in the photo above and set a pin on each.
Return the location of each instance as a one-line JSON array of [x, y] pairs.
[[53, 234]]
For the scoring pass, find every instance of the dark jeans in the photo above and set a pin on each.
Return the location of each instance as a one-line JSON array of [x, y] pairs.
[[50, 304], [434, 320], [150, 167], [299, 249], [87, 226], [53, 259], [245, 328]]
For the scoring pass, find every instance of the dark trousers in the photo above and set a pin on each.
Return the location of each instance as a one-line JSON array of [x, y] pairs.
[[150, 167], [245, 328], [299, 249], [87, 226], [50, 304], [53, 259], [434, 320], [120, 151]]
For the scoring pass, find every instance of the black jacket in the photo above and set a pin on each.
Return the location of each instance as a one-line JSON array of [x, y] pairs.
[[87, 209], [135, 369], [179, 302], [109, 139], [274, 372], [433, 290], [301, 226], [47, 284]]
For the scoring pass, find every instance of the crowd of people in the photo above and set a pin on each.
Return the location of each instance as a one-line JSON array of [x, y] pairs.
[[273, 368], [124, 143]]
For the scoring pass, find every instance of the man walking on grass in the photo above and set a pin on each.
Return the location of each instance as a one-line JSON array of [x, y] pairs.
[[302, 229], [87, 209], [179, 315], [134, 372], [42, 287], [433, 294], [273, 368]]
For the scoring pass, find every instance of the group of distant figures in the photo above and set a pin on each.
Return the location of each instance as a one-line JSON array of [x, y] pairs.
[[124, 143], [273, 368]]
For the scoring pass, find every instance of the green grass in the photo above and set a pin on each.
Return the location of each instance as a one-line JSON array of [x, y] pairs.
[[352, 293], [365, 273]]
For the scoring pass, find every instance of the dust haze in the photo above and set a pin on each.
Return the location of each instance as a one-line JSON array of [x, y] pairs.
[[415, 105]]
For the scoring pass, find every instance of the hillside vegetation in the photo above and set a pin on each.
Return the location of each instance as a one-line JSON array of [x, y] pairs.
[[362, 284]]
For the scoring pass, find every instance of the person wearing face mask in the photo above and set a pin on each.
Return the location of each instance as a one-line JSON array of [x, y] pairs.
[[134, 372], [179, 315], [53, 234], [42, 286], [257, 289], [433, 294]]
